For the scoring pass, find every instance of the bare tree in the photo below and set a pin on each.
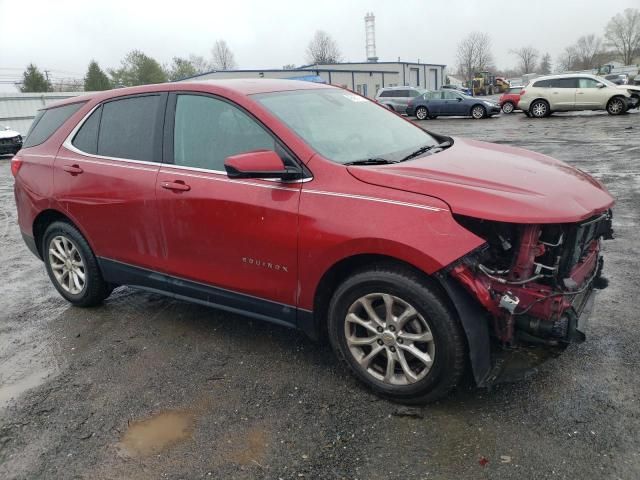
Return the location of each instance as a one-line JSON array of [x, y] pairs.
[[528, 57], [323, 49], [200, 63], [588, 48], [545, 64], [623, 34], [474, 54], [568, 59], [222, 57]]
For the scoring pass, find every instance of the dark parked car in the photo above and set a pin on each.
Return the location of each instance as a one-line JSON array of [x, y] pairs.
[[452, 103], [10, 141], [458, 88]]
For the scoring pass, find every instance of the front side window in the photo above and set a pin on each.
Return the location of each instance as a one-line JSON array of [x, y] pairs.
[[208, 130], [344, 127], [587, 83], [448, 95], [128, 128], [47, 122]]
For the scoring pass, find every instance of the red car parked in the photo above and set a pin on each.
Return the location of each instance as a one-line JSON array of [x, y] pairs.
[[309, 206], [508, 101]]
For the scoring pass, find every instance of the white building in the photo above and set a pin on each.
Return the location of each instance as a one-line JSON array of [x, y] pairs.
[[365, 77], [17, 110]]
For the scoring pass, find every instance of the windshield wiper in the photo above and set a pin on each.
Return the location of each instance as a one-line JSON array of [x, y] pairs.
[[425, 149], [371, 161]]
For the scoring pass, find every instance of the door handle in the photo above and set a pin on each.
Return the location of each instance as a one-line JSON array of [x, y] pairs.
[[72, 169], [177, 186], [579, 93]]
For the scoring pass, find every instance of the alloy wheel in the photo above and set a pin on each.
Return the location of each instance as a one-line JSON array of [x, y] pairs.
[[477, 112], [67, 265], [539, 109], [615, 106], [507, 107], [389, 339], [421, 113]]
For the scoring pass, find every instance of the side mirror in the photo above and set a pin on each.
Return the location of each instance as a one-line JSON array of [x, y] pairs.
[[459, 99], [601, 85], [259, 164]]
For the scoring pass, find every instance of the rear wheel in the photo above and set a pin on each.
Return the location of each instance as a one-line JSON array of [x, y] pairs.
[[616, 106], [397, 335], [478, 112], [72, 266], [539, 109], [422, 113], [508, 107]]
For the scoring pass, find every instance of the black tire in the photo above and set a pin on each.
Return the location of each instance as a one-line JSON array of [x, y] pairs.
[[422, 113], [539, 109], [478, 112], [448, 337], [616, 106], [94, 289], [508, 107]]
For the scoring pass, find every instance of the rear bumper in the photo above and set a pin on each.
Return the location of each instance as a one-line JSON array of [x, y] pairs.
[[31, 244]]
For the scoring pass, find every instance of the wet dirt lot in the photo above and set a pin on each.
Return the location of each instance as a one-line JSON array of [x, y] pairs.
[[148, 387]]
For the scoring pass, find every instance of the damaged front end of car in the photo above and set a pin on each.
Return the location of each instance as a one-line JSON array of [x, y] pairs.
[[534, 284]]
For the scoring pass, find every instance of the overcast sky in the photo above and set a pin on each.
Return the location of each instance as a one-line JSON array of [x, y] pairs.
[[62, 36]]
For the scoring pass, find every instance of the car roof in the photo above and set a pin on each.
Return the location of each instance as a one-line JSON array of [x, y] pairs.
[[238, 86], [565, 75], [400, 87]]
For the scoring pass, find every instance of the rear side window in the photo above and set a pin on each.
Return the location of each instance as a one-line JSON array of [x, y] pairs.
[[48, 121], [565, 83], [128, 128], [87, 137], [542, 84]]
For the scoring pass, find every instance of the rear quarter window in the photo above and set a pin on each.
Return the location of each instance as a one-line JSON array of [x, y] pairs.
[[47, 122], [385, 93], [542, 84]]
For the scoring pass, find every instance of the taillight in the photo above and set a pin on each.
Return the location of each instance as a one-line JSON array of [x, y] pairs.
[[522, 92], [16, 163]]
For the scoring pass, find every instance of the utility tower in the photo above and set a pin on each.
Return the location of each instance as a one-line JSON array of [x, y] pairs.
[[370, 30]]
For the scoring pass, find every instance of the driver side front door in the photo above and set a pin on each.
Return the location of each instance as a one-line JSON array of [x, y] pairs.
[[231, 241]]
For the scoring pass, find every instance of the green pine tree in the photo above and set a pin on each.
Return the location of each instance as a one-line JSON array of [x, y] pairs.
[[96, 80], [34, 81]]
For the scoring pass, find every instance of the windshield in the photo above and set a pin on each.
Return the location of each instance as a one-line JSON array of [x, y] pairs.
[[344, 127]]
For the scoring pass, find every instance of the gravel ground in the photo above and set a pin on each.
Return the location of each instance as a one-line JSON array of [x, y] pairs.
[[148, 387]]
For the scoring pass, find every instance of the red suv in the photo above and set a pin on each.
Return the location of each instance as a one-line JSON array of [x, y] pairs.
[[508, 101], [309, 206]]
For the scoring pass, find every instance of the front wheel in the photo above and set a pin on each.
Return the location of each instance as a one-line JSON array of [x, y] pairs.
[[422, 113], [616, 106], [72, 266], [397, 334], [478, 112], [508, 107]]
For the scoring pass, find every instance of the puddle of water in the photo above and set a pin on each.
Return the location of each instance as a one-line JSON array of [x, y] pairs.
[[252, 450], [17, 388], [154, 434]]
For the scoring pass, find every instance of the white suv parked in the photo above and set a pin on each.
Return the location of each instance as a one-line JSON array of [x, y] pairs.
[[563, 93]]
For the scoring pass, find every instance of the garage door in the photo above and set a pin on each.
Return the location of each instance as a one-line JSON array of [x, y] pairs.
[[414, 77]]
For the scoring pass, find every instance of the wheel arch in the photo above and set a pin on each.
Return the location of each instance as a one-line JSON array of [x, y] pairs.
[[477, 104], [43, 220], [467, 309], [340, 270]]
